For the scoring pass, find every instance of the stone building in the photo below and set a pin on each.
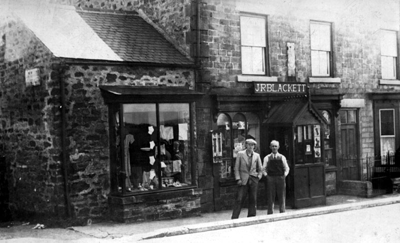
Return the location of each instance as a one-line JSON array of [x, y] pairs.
[[320, 77]]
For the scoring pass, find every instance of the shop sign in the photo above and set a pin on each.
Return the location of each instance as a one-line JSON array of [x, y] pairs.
[[32, 77], [276, 88]]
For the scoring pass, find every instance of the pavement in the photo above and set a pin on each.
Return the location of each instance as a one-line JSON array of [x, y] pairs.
[[143, 231]]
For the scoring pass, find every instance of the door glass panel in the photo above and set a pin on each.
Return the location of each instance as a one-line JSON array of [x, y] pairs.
[[351, 116]]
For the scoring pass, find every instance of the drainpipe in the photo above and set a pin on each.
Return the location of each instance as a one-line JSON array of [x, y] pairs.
[[198, 2], [65, 161]]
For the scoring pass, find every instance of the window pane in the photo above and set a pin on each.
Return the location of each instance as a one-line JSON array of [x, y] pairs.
[[253, 128], [320, 36], [388, 67], [139, 142], [387, 145], [387, 122], [174, 145], [140, 114], [253, 60], [320, 63], [223, 134], [343, 117], [224, 127], [389, 43], [146, 156], [252, 31], [238, 132], [352, 116]]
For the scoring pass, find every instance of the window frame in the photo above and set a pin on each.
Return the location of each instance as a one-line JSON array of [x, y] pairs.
[[265, 47], [387, 136], [385, 54], [329, 63], [115, 162]]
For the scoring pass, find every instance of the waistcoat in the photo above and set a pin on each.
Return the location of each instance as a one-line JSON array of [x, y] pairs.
[[275, 166]]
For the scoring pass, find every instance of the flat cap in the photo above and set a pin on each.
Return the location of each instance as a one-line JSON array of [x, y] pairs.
[[250, 140]]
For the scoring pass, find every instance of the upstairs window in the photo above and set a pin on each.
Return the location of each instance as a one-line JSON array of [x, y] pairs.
[[321, 52], [389, 54], [253, 44]]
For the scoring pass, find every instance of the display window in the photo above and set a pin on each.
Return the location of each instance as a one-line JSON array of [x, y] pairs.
[[308, 144], [155, 152], [229, 136], [328, 139]]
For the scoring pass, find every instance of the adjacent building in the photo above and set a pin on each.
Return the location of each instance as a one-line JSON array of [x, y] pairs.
[[136, 109]]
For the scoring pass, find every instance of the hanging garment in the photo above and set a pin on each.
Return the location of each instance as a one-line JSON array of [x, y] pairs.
[[129, 139]]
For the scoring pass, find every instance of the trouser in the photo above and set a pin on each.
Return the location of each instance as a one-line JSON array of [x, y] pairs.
[[276, 187], [251, 189]]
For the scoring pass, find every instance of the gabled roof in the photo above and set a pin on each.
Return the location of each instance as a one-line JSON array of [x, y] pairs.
[[293, 111], [132, 38], [94, 35]]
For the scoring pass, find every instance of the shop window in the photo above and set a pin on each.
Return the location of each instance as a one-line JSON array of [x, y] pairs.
[[321, 53], [389, 54], [253, 44], [387, 131], [155, 152], [229, 138], [308, 144], [329, 152]]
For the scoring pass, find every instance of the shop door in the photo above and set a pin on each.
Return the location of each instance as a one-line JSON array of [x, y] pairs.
[[309, 170]]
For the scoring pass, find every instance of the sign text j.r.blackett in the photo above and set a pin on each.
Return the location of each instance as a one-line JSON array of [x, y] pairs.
[[263, 88]]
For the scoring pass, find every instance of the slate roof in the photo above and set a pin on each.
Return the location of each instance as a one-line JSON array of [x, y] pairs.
[[132, 38], [287, 112], [99, 35]]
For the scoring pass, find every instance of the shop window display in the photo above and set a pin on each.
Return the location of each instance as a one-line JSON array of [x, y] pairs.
[[228, 138], [156, 141]]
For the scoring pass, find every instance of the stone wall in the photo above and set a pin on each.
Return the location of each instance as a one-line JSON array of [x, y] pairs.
[[156, 206], [29, 121], [355, 188]]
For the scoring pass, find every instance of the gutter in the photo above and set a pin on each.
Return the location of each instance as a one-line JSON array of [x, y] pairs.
[[79, 61]]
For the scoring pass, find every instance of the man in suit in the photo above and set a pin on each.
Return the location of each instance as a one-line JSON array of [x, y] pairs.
[[275, 168], [248, 171]]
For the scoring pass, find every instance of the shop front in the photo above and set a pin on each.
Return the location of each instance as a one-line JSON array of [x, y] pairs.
[[303, 120], [152, 169]]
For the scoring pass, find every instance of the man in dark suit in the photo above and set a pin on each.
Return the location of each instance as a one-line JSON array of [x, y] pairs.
[[248, 171]]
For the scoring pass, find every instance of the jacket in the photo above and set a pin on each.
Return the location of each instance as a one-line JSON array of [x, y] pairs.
[[241, 170]]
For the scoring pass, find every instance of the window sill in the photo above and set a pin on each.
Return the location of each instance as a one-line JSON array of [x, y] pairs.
[[389, 82], [255, 78], [325, 80], [155, 191]]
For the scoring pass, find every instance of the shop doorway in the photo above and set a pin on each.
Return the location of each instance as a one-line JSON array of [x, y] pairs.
[[298, 126]]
